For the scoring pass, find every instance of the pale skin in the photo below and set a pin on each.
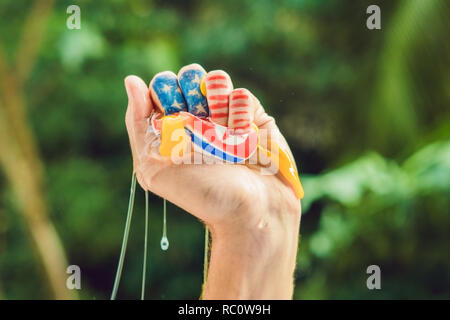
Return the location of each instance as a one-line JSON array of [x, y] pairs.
[[254, 219]]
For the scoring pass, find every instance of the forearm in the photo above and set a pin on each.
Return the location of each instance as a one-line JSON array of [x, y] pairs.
[[253, 264]]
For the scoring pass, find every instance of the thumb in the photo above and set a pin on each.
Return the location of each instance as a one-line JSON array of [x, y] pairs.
[[139, 109]]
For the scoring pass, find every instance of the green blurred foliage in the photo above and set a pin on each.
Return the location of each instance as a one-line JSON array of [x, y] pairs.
[[366, 114]]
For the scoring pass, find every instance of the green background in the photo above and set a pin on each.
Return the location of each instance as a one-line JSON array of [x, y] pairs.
[[366, 113]]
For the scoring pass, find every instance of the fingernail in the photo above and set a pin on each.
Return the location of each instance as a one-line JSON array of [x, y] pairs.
[[128, 89], [190, 79]]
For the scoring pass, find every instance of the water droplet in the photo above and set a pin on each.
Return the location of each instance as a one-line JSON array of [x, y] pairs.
[[164, 243]]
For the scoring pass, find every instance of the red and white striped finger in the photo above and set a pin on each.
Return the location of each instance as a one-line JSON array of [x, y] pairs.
[[241, 111], [218, 88]]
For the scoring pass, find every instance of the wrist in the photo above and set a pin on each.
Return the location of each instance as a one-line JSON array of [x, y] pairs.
[[253, 261]]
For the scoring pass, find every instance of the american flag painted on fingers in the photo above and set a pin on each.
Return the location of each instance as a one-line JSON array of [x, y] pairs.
[[218, 89]]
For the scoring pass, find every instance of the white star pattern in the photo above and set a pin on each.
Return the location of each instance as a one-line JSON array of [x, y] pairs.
[[199, 109], [166, 88], [194, 92], [177, 105], [196, 79]]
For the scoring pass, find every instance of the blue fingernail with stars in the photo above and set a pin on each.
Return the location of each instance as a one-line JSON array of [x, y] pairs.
[[190, 85], [169, 94]]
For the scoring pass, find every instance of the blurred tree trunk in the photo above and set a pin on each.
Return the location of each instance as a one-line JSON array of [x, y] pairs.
[[19, 157]]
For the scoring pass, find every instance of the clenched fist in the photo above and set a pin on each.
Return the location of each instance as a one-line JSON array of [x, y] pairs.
[[254, 218]]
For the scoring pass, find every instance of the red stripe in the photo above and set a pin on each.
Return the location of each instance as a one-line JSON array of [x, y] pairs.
[[239, 112], [218, 105], [218, 97], [237, 105], [219, 115], [218, 77], [216, 86], [242, 127], [240, 96], [240, 120]]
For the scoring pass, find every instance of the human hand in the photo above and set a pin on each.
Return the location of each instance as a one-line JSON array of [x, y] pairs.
[[254, 218]]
